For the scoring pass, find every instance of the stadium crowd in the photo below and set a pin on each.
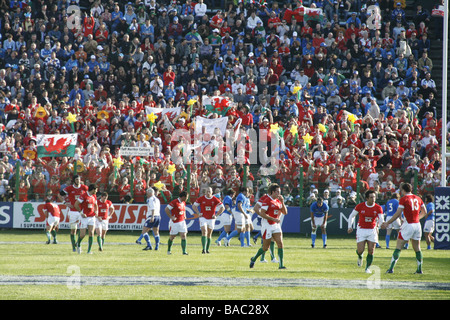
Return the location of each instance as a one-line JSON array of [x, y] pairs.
[[365, 94]]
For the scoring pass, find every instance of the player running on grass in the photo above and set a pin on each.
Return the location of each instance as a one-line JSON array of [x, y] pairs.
[[413, 209], [367, 232], [271, 210]]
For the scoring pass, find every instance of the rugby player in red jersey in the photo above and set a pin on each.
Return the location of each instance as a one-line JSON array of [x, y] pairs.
[[105, 211], [369, 214], [71, 194], [52, 213], [88, 208], [208, 205], [413, 210], [271, 210], [176, 211]]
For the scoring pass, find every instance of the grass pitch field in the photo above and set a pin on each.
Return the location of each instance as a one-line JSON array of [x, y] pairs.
[[30, 269]]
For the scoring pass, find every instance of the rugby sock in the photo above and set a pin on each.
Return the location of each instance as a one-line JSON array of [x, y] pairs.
[[241, 237], [222, 235], [388, 238], [99, 241], [247, 237], [271, 249], [313, 238], [419, 259], [90, 241], [203, 243], [232, 234], [263, 256], [48, 235], [54, 234], [324, 239], [208, 243], [359, 255], [140, 237], [147, 239], [157, 240], [280, 256], [183, 245], [72, 239], [369, 260], [79, 241], [260, 252], [394, 258], [169, 245]]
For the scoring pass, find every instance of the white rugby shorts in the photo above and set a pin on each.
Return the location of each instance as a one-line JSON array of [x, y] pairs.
[[367, 235], [177, 227], [410, 231]]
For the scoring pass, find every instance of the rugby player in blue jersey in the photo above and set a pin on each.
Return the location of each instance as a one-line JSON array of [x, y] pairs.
[[319, 215], [389, 209], [227, 217], [428, 227]]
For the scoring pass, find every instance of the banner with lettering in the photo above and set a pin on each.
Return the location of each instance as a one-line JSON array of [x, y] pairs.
[[442, 218], [30, 215]]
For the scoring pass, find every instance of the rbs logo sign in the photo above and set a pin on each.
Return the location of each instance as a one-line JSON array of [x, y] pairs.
[[6, 213], [442, 218]]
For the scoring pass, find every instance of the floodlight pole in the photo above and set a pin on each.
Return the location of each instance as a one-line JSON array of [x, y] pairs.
[[444, 97]]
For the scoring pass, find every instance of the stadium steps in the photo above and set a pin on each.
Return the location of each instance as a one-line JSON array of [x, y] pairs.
[[436, 56]]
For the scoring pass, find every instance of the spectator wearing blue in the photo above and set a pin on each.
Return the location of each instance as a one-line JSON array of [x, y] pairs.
[[92, 63], [332, 87], [104, 64], [147, 31], [293, 108], [308, 49], [129, 14], [282, 89], [402, 90], [353, 19], [46, 51], [410, 107], [116, 17], [320, 92], [219, 67], [424, 44], [398, 14], [355, 88], [328, 7]]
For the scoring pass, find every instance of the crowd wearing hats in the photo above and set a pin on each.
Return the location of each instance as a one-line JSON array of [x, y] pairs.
[[342, 95]]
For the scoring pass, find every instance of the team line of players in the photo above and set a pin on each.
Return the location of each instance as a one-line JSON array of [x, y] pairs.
[[91, 214]]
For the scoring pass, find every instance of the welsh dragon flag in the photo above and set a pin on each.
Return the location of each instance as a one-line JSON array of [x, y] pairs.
[[56, 145], [170, 112], [217, 104], [314, 14]]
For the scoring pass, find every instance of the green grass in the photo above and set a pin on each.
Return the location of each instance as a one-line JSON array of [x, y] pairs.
[[23, 253]]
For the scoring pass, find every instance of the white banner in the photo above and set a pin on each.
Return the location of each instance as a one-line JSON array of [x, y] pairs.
[[205, 125], [136, 151]]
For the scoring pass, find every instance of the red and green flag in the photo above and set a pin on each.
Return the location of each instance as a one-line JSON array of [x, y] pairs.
[[313, 14], [56, 145]]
